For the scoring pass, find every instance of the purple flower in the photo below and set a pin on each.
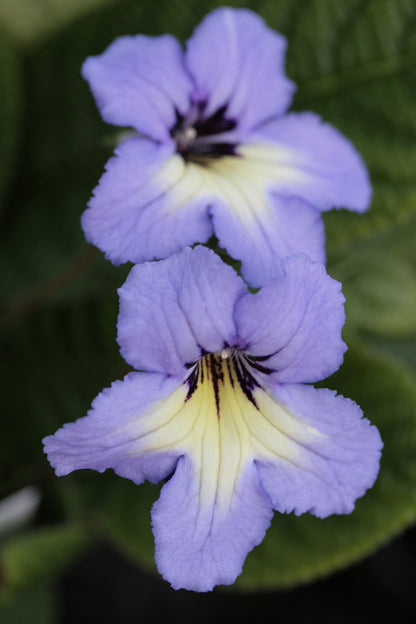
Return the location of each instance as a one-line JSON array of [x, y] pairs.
[[220, 408], [214, 150]]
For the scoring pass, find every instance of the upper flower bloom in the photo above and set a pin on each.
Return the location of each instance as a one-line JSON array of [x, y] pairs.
[[214, 151], [220, 409]]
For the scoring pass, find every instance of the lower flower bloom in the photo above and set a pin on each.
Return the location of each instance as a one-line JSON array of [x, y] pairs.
[[221, 409]]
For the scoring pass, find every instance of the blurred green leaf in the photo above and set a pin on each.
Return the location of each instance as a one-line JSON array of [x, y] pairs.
[[10, 111], [54, 363], [37, 556], [380, 291], [399, 241], [378, 278], [45, 258], [34, 605], [29, 20], [115, 509], [401, 350]]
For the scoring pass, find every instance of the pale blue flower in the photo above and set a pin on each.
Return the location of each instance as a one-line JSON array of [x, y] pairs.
[[221, 409], [215, 150]]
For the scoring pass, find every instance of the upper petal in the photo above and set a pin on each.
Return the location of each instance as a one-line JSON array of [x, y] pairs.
[[293, 324], [323, 167], [140, 82], [174, 310], [325, 455], [238, 62]]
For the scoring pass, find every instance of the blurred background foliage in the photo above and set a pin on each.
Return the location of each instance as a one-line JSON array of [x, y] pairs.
[[355, 64]]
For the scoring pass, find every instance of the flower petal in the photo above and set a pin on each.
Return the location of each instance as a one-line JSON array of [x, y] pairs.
[[146, 205], [253, 225], [323, 454], [115, 433], [174, 310], [198, 542], [140, 82], [213, 511], [330, 173], [294, 323], [261, 229], [238, 62]]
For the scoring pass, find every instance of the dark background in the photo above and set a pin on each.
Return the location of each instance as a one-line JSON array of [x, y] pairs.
[[103, 587]]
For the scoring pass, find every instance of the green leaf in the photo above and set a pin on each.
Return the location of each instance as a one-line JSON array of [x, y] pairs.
[[37, 556], [46, 259], [53, 365], [355, 65], [378, 278], [10, 112], [401, 350], [30, 20], [114, 509], [380, 291], [34, 605]]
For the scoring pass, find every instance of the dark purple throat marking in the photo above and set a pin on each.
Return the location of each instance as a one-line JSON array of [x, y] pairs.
[[198, 138], [227, 370]]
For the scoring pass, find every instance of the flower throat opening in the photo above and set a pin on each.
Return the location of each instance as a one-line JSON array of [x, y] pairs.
[[199, 140], [225, 373]]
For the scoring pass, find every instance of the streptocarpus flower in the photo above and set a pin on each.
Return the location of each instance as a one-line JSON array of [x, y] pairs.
[[214, 150], [220, 408]]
